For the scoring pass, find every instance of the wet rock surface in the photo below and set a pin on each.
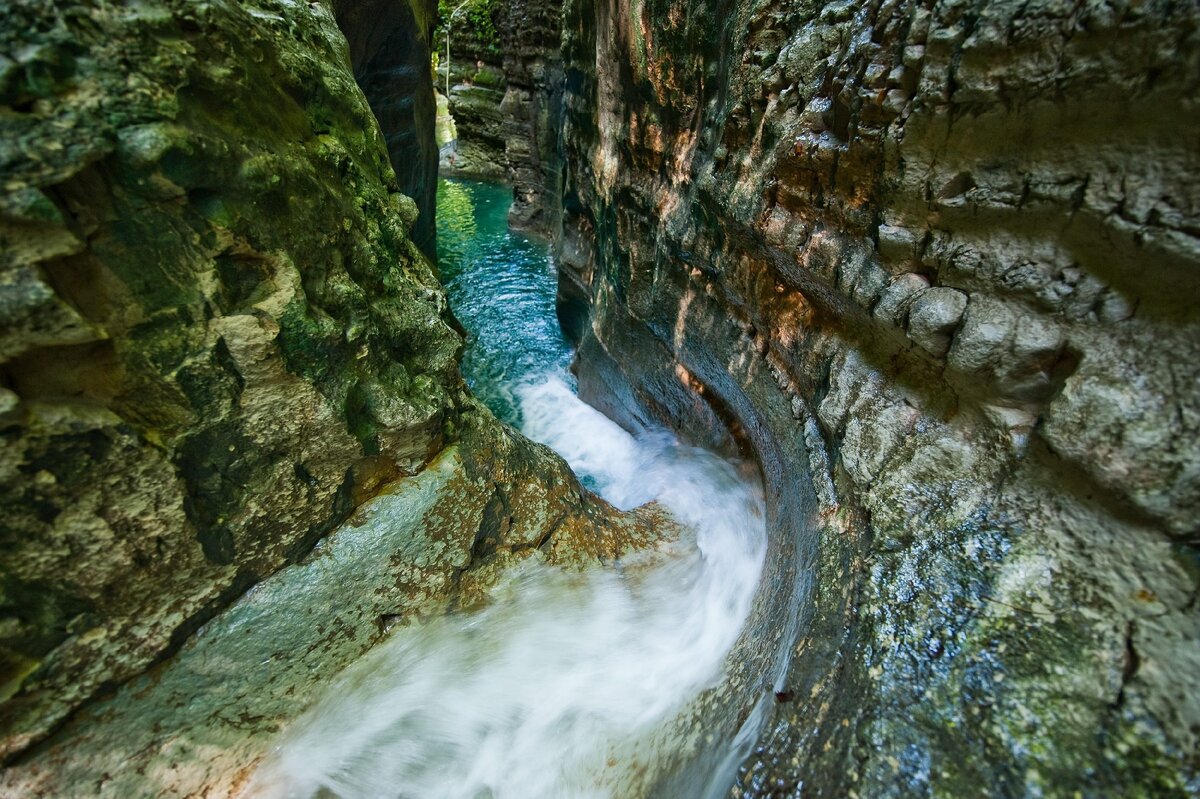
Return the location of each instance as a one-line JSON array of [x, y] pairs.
[[477, 85], [224, 255], [219, 339], [933, 265], [201, 722], [530, 34]]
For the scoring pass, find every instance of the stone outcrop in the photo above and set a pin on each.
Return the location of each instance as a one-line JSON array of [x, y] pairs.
[[934, 265], [506, 98], [218, 339], [476, 106], [390, 52]]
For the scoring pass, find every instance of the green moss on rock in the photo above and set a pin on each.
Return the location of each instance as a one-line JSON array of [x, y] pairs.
[[202, 192]]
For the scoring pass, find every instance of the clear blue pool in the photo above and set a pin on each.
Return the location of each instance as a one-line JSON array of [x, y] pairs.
[[501, 286]]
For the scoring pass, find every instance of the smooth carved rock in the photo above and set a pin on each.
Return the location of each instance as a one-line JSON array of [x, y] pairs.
[[200, 723], [980, 343], [990, 513]]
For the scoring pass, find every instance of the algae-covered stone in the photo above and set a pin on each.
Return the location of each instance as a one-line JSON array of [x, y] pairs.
[[204, 252]]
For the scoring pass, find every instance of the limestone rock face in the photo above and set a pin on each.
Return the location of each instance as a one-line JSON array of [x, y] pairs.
[[217, 339], [936, 266], [476, 90], [476, 107], [217, 332], [506, 98]]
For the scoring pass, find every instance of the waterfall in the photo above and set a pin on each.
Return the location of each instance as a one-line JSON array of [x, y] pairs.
[[565, 684]]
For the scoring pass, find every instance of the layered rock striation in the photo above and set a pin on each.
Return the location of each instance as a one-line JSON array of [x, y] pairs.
[[934, 265]]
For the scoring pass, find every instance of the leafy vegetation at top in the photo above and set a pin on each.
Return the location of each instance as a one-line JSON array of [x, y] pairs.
[[473, 30]]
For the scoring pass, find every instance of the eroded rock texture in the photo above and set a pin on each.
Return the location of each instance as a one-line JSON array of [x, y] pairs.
[[390, 52], [218, 338], [935, 264], [506, 98], [199, 724], [206, 259]]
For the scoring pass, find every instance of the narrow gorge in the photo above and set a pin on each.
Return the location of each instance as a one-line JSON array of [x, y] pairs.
[[807, 404]]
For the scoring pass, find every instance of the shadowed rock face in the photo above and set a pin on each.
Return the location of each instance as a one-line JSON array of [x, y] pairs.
[[530, 35], [217, 339], [389, 50], [935, 265]]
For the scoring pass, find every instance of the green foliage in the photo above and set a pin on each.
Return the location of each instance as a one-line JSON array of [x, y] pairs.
[[473, 30]]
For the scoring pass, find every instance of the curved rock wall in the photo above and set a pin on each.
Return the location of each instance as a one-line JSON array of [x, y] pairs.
[[935, 264]]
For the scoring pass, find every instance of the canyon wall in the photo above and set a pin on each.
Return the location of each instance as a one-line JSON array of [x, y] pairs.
[[506, 99], [476, 91], [530, 34], [934, 263], [217, 339], [390, 52]]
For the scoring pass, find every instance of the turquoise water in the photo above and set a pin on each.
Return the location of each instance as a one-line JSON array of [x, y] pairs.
[[565, 685], [501, 286]]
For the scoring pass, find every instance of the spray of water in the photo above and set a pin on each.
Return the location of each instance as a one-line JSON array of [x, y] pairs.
[[549, 690], [566, 685]]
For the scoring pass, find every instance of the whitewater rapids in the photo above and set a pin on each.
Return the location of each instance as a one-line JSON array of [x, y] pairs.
[[565, 685]]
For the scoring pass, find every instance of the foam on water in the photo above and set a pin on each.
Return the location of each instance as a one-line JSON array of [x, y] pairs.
[[564, 685]]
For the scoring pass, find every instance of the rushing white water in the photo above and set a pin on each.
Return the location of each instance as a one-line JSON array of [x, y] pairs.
[[566, 685]]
